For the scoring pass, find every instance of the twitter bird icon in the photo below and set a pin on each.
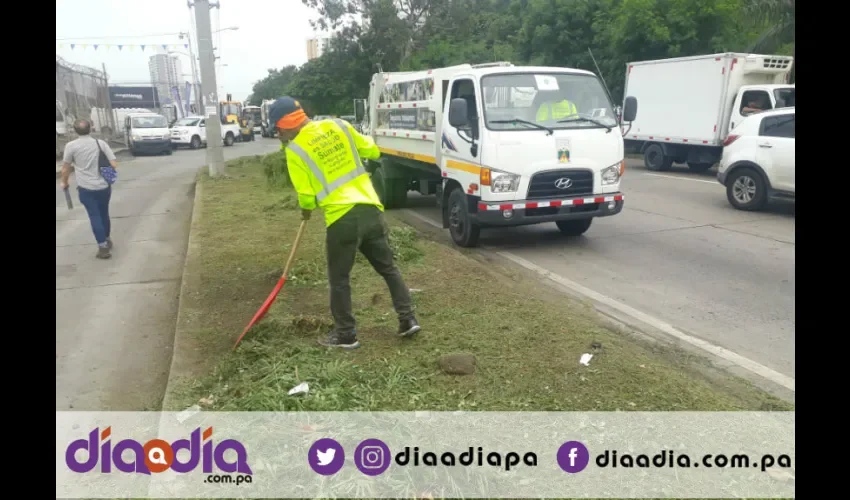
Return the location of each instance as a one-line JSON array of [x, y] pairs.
[[326, 457]]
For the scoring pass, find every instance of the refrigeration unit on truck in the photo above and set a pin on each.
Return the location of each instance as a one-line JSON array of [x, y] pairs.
[[499, 145], [689, 105]]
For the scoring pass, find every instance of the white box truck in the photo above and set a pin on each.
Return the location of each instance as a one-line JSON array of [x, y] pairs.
[[690, 104], [267, 129], [498, 145]]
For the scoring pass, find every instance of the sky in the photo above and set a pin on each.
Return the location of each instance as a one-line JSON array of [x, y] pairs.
[[271, 34]]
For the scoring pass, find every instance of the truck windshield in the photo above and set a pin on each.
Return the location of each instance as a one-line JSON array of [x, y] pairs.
[[785, 98], [546, 99], [187, 122], [155, 121]]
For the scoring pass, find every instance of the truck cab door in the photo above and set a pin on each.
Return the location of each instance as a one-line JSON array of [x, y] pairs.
[[749, 100], [460, 146]]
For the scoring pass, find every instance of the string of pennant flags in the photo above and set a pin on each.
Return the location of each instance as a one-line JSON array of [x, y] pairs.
[[122, 46]]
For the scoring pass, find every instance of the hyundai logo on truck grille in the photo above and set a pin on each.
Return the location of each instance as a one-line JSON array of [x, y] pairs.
[[563, 183]]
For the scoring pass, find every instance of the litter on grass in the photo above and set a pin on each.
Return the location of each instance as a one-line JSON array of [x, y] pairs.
[[301, 388], [585, 359]]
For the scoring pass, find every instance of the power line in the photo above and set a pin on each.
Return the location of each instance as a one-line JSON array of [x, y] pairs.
[[121, 36]]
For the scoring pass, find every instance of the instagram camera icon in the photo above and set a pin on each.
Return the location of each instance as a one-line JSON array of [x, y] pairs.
[[372, 457]]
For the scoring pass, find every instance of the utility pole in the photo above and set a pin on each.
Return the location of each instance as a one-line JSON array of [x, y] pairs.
[[215, 153], [196, 86]]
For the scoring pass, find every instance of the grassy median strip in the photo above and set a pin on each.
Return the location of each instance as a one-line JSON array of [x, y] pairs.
[[526, 341]]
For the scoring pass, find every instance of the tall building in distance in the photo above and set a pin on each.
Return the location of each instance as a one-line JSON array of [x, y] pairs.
[[166, 72], [317, 46]]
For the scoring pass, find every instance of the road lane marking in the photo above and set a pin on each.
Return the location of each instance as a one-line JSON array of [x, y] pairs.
[[721, 352], [685, 179]]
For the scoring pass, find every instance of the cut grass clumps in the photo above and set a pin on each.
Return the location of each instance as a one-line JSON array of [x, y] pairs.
[[526, 341]]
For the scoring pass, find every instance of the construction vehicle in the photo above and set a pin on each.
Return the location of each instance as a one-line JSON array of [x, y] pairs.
[[499, 145], [254, 113], [231, 110]]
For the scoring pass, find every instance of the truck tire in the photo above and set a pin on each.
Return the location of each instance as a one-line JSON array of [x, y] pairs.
[[392, 192], [655, 159], [464, 232], [699, 167], [196, 142], [228, 139], [746, 190], [573, 227]]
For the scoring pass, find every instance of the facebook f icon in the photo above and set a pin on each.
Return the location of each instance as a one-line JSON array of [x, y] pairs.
[[573, 457]]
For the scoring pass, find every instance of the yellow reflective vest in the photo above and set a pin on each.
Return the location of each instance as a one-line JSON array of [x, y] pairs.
[[324, 163], [557, 111]]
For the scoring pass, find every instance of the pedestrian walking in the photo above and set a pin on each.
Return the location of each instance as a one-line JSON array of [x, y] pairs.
[[94, 190], [323, 159]]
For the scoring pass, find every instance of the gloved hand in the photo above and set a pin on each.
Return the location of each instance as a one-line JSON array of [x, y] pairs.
[[305, 214]]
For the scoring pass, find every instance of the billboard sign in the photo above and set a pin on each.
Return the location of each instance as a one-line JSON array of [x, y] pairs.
[[134, 97]]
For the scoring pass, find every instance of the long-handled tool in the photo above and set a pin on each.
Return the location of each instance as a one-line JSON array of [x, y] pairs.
[[68, 199], [272, 296]]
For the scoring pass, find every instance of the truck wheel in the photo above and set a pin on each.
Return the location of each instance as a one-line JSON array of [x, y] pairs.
[[195, 143], [699, 167], [746, 190], [228, 139], [574, 227], [392, 192], [655, 159], [464, 232]]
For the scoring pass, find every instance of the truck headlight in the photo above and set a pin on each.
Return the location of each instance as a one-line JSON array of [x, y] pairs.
[[612, 174], [137, 137], [503, 182]]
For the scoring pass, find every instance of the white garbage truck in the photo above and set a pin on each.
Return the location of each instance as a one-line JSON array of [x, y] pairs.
[[499, 145], [689, 105]]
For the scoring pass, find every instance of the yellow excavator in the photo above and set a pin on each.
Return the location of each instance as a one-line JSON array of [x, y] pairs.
[[230, 110]]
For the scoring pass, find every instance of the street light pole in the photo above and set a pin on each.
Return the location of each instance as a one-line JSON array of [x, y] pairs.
[[215, 153]]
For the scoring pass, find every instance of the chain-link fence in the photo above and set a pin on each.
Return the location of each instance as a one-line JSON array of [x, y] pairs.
[[81, 92]]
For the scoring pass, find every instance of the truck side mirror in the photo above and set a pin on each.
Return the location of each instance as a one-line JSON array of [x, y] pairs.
[[457, 113], [630, 109], [359, 110]]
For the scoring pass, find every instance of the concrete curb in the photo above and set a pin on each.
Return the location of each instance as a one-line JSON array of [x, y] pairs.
[[191, 247]]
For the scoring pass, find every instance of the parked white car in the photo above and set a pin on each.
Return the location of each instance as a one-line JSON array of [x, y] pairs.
[[758, 160], [192, 131]]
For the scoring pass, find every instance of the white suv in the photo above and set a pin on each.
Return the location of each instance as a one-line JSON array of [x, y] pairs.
[[758, 159]]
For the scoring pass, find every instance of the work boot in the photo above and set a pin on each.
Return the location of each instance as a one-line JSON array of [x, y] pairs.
[[103, 253], [109, 243], [408, 327], [343, 341]]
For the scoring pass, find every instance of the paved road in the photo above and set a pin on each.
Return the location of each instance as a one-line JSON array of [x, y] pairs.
[[115, 319], [680, 253]]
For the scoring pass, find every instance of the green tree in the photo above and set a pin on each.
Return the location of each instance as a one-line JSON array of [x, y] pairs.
[[775, 21]]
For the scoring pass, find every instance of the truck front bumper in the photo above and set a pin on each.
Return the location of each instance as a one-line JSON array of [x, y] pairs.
[[152, 146], [517, 213]]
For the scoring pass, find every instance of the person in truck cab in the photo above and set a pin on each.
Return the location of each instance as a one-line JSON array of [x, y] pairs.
[[555, 109], [755, 105], [323, 160]]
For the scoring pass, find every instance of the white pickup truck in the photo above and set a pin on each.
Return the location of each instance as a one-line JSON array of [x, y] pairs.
[[192, 131]]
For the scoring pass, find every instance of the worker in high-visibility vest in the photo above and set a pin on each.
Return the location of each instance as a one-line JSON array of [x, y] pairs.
[[324, 163], [556, 111]]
